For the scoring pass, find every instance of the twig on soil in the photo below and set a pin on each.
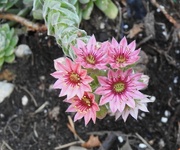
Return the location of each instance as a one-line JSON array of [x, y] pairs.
[[41, 107], [7, 145], [144, 40], [170, 18], [71, 127], [32, 97], [34, 130], [144, 141], [30, 25], [68, 145], [170, 59]]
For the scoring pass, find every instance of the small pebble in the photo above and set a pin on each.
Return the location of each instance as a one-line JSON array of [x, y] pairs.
[[163, 27], [143, 114], [22, 51], [164, 33], [24, 100], [42, 78], [162, 7], [175, 80], [155, 59], [50, 87], [152, 98], [5, 90], [102, 25], [177, 51], [164, 120], [140, 35], [125, 26], [167, 113], [142, 145], [170, 88], [46, 37], [2, 115], [161, 143], [120, 139]]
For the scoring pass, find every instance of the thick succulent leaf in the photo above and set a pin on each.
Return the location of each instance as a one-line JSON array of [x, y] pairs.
[[14, 41], [37, 9], [9, 51], [1, 61], [2, 53], [84, 1], [62, 20], [88, 10], [9, 59], [9, 4], [28, 3], [108, 8], [73, 2], [102, 113], [2, 41]]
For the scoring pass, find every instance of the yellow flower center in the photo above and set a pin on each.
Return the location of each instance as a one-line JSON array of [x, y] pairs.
[[74, 77], [119, 87], [86, 101], [90, 59], [120, 59]]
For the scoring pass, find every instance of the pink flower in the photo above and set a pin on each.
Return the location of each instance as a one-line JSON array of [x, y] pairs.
[[120, 89], [72, 80], [85, 107], [91, 55], [121, 54], [140, 104]]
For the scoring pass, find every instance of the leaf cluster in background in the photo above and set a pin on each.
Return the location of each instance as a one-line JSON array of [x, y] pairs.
[[8, 41], [85, 8]]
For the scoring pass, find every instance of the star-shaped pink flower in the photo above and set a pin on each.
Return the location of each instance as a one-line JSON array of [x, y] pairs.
[[85, 107], [72, 79], [92, 55], [120, 89], [121, 54]]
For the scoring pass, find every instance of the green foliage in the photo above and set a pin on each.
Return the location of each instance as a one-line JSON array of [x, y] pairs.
[[108, 8], [37, 9], [8, 41], [87, 6], [62, 21], [102, 112], [63, 17], [7, 4]]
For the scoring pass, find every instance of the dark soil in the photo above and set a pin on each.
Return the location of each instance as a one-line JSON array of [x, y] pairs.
[[22, 129]]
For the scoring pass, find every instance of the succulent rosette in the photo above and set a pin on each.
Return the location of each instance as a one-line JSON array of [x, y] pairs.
[[101, 79], [8, 41]]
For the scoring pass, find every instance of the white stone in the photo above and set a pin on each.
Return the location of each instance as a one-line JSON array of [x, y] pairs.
[[175, 80], [143, 114], [170, 88], [125, 26], [24, 100], [23, 50], [177, 51], [102, 25], [167, 113], [164, 119], [120, 139], [152, 98], [2, 115], [142, 145], [5, 90]]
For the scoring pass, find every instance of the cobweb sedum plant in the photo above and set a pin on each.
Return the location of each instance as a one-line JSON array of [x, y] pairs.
[[96, 78]]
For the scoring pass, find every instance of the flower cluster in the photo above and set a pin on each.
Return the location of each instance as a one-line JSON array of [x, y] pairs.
[[102, 76]]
